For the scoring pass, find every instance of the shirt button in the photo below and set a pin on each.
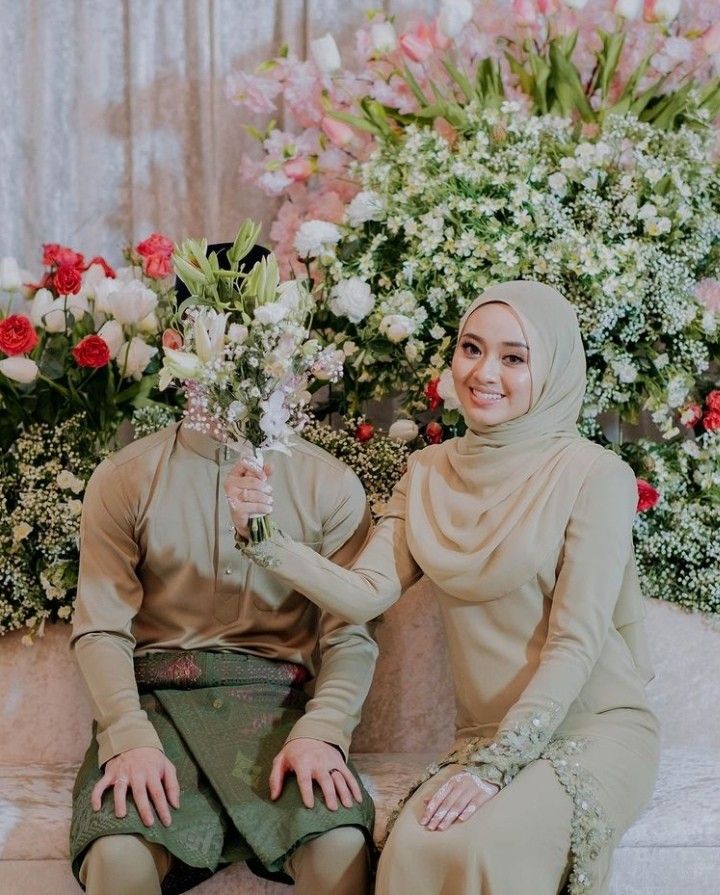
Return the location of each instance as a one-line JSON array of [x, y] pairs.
[[228, 571], [217, 703]]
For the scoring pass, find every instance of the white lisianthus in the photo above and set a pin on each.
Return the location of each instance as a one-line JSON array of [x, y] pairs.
[[20, 532], [133, 358], [10, 277], [404, 430], [66, 480], [178, 365], [397, 327], [446, 390], [112, 334], [131, 302], [629, 9], [150, 324], [237, 333], [315, 238], [454, 16], [325, 54], [383, 37], [19, 369], [437, 331], [273, 312], [366, 206], [352, 298], [349, 348]]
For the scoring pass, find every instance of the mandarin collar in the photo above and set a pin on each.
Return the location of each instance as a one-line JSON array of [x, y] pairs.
[[207, 447]]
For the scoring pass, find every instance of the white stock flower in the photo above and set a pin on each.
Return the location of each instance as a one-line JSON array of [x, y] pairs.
[[19, 369], [66, 480], [383, 37], [404, 430], [629, 9], [131, 302], [271, 313], [133, 358], [446, 390], [316, 238], [353, 299], [325, 54], [454, 16], [10, 277], [366, 206], [111, 332], [397, 327]]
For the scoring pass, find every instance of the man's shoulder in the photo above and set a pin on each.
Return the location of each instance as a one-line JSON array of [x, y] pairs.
[[144, 450], [318, 456]]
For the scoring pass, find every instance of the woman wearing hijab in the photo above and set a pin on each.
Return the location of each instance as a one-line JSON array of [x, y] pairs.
[[524, 529]]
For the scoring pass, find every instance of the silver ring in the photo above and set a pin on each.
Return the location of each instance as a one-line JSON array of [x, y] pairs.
[[335, 771]]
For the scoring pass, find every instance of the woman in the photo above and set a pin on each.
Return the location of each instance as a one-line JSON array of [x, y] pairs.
[[525, 531]]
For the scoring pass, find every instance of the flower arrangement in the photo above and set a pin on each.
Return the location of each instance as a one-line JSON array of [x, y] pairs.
[[243, 352], [42, 480], [83, 338]]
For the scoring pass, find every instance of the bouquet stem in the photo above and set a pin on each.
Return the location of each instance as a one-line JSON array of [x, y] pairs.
[[261, 528]]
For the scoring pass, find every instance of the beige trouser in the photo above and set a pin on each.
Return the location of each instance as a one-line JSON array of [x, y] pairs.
[[335, 863]]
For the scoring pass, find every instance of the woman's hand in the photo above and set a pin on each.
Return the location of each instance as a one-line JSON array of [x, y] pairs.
[[249, 493], [457, 799]]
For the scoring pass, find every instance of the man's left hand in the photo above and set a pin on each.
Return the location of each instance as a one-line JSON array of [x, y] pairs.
[[313, 760]]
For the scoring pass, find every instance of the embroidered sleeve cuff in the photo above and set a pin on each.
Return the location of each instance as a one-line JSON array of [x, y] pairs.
[[267, 553]]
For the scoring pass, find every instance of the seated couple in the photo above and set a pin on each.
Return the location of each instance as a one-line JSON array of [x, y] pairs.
[[196, 646]]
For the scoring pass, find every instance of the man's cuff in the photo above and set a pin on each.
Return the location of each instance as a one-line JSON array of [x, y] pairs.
[[130, 732], [312, 730]]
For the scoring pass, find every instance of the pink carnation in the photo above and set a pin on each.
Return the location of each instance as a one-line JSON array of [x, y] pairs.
[[326, 206], [707, 292]]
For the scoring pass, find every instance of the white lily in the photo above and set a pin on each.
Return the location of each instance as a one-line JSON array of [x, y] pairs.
[[178, 365], [210, 335]]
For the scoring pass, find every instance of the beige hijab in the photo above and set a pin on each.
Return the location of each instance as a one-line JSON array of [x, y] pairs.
[[488, 509]]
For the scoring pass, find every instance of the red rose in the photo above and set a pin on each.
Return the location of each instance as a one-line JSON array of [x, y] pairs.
[[711, 420], [17, 335], [172, 339], [67, 280], [157, 266], [431, 393], [57, 255], [92, 351], [713, 401], [647, 496], [155, 244], [109, 272], [364, 432], [434, 433]]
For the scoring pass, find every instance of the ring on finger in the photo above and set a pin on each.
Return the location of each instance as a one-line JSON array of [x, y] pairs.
[[335, 771]]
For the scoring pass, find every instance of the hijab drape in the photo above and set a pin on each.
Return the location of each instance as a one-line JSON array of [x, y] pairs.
[[488, 509]]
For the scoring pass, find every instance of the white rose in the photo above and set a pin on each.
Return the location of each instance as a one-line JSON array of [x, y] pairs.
[[20, 532], [366, 206], [412, 352], [349, 348], [383, 37], [454, 16], [404, 430], [316, 238], [10, 277], [66, 480], [237, 333], [353, 299], [112, 334], [446, 390], [75, 507], [133, 358], [19, 369], [629, 9], [131, 302], [397, 327], [325, 54]]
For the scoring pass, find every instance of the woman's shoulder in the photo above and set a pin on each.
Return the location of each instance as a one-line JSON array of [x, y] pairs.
[[609, 479]]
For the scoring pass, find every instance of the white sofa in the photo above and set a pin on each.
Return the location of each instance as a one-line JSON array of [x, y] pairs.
[[674, 847]]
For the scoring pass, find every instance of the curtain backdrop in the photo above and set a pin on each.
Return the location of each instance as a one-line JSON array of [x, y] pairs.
[[114, 120]]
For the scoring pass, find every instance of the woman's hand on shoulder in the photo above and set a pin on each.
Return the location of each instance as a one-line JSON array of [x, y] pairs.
[[457, 800]]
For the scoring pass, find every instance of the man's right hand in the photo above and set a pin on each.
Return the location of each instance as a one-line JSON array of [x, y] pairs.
[[150, 777]]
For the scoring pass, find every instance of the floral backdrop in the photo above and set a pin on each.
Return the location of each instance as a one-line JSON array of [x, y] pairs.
[[572, 142]]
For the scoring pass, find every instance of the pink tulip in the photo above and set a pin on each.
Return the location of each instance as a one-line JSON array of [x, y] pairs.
[[419, 44], [710, 41], [298, 169], [662, 10], [546, 7], [337, 132], [525, 12]]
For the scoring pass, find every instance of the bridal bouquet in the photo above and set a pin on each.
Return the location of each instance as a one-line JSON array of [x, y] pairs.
[[242, 350]]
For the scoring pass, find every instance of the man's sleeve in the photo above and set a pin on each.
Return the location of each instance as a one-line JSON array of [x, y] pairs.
[[348, 651], [108, 599]]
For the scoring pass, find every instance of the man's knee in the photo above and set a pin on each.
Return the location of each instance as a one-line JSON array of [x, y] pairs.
[[124, 863], [337, 861]]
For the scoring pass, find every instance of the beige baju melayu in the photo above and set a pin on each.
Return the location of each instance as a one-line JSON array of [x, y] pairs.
[[525, 531], [160, 571]]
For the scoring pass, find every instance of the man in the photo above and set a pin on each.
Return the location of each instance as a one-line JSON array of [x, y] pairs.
[[195, 662]]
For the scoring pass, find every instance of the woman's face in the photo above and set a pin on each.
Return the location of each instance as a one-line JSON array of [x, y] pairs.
[[491, 367]]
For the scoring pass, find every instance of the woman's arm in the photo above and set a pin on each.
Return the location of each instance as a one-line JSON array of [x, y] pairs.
[[376, 579]]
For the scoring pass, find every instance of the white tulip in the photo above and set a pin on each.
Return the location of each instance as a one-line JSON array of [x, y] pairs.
[[133, 358], [325, 54], [665, 10], [10, 277], [130, 302], [102, 290], [112, 334], [454, 16], [404, 430], [629, 9], [383, 37], [446, 390], [48, 312], [19, 369], [575, 4], [92, 277]]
